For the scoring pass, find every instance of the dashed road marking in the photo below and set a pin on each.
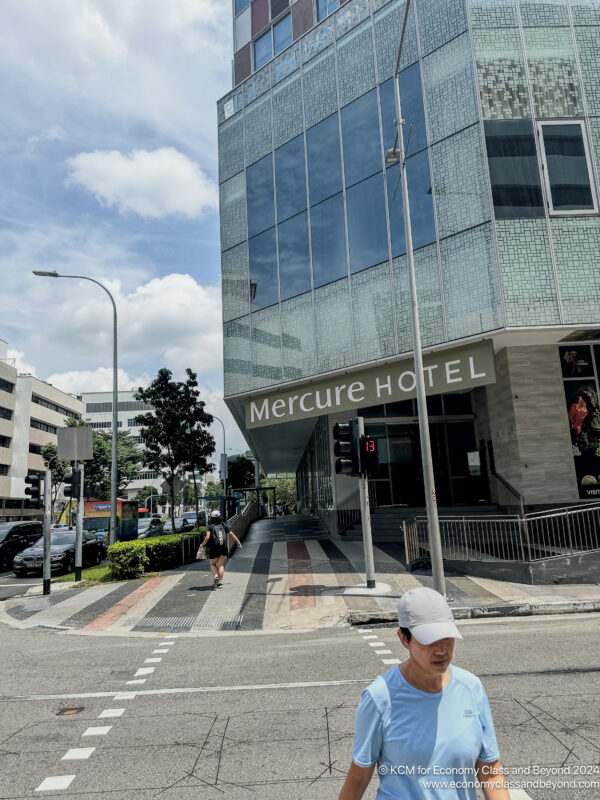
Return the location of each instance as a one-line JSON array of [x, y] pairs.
[[78, 753], [376, 644], [55, 783], [383, 652], [111, 712], [152, 660], [97, 730], [144, 671], [391, 660], [372, 636], [137, 680], [161, 650]]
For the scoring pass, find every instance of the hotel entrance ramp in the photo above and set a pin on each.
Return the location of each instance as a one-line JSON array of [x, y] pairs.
[[285, 528]]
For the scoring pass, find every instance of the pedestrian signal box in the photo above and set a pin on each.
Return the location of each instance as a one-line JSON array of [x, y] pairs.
[[369, 456], [346, 448], [72, 486], [34, 489]]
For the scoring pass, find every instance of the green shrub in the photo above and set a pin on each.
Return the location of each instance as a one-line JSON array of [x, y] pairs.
[[164, 552], [127, 559]]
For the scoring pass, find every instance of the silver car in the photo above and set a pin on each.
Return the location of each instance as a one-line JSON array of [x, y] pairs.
[[147, 528]]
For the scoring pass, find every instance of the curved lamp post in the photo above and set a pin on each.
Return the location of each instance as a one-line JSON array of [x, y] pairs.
[[115, 402]]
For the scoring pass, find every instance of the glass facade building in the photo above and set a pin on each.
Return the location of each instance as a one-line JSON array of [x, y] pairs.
[[501, 101]]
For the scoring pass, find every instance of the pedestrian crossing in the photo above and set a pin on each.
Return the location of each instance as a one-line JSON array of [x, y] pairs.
[[273, 583]]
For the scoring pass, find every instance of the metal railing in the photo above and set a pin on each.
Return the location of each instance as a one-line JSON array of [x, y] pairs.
[[350, 513], [531, 537], [505, 495]]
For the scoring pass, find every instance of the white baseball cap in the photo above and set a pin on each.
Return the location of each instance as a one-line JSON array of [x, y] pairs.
[[427, 615]]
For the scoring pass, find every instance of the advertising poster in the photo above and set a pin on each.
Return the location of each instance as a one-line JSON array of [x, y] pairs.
[[583, 412]]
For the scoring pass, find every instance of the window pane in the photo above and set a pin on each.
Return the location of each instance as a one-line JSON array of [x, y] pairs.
[[290, 178], [360, 130], [567, 168], [240, 5], [514, 170], [328, 236], [259, 191], [262, 50], [367, 230], [294, 263], [411, 100], [325, 7], [421, 204], [324, 159], [282, 34], [263, 270]]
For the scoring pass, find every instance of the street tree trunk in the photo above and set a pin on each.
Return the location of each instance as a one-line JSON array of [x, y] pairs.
[[196, 499]]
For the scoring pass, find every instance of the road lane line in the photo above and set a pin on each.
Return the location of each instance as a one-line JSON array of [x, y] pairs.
[[144, 671], [382, 652], [124, 696], [161, 650], [55, 783], [152, 660], [137, 680], [372, 636], [111, 712], [97, 730], [376, 644], [391, 660], [78, 753]]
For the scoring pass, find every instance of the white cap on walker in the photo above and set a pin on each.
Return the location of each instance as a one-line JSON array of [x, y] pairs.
[[427, 615]]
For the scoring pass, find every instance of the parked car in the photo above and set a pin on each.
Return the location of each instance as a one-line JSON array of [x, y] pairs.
[[103, 539], [182, 525], [62, 553], [16, 536], [152, 526], [191, 517]]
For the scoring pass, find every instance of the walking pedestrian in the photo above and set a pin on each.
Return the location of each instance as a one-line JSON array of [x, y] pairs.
[[425, 723], [216, 536]]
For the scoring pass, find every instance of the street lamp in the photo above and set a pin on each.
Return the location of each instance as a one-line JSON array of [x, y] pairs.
[[397, 155], [223, 465], [115, 403]]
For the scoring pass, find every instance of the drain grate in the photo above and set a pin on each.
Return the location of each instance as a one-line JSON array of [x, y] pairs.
[[165, 623], [202, 622], [230, 623]]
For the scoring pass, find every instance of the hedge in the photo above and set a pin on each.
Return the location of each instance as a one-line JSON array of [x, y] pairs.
[[132, 559]]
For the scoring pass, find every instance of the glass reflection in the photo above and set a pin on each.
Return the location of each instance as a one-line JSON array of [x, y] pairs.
[[294, 261], [290, 178], [282, 34], [360, 131], [259, 191], [568, 174], [411, 99], [367, 229], [324, 159], [263, 270], [514, 170], [263, 50], [418, 178], [328, 237]]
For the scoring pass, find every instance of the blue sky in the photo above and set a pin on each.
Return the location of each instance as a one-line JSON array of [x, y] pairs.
[[108, 164]]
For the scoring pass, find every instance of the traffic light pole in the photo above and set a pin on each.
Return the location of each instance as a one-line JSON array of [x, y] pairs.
[[47, 573], [365, 511], [79, 523]]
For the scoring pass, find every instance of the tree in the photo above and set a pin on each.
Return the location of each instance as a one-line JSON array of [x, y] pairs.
[[97, 471], [58, 470], [240, 472], [174, 428], [285, 490], [200, 444], [143, 498]]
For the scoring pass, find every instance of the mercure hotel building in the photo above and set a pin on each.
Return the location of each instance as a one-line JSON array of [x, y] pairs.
[[501, 102]]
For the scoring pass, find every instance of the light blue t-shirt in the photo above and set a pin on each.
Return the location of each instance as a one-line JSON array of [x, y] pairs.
[[418, 738]]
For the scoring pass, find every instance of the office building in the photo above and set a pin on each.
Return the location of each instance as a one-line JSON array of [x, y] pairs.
[[501, 102]]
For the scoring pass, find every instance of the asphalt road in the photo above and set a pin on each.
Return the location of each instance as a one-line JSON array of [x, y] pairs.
[[237, 716], [11, 586]]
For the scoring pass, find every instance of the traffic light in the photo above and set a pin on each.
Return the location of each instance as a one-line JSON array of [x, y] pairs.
[[89, 490], [369, 457], [34, 490], [72, 482], [346, 448]]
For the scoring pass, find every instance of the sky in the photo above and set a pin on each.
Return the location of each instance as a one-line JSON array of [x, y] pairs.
[[108, 168]]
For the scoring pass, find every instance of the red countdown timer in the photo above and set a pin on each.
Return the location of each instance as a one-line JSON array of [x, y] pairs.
[[370, 446], [369, 457]]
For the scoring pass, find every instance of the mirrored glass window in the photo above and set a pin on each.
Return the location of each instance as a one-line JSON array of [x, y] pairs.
[[418, 178], [290, 178], [282, 34], [240, 5], [411, 100], [325, 7], [360, 131], [259, 191], [568, 174], [367, 228], [514, 169], [263, 50], [328, 237], [324, 159], [263, 270], [294, 260]]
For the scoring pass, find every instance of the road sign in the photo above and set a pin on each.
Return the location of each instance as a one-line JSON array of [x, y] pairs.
[[178, 485], [76, 444]]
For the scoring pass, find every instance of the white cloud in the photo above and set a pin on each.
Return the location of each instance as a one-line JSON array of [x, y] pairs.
[[52, 134], [98, 380], [151, 184], [21, 364]]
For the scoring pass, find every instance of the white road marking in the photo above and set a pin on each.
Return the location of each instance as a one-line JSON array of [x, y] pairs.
[[391, 660], [373, 636], [144, 671], [78, 753], [139, 680], [97, 730], [10, 585], [167, 642], [161, 650], [55, 783], [382, 652], [519, 794], [376, 644], [152, 660], [366, 630], [125, 696], [111, 712]]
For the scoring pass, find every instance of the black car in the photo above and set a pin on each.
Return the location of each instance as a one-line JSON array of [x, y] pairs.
[[14, 537], [62, 553], [182, 525], [149, 527]]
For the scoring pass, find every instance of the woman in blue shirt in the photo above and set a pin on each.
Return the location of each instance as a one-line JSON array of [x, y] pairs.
[[425, 723]]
